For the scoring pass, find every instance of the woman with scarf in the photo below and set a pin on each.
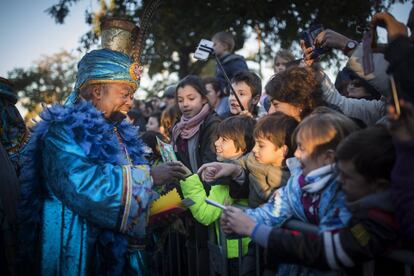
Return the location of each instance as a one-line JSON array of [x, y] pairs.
[[192, 136]]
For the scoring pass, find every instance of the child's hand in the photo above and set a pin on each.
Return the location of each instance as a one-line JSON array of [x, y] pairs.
[[234, 220], [224, 224], [402, 127], [212, 171]]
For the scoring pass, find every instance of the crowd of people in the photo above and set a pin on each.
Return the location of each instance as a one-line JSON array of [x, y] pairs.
[[77, 188]]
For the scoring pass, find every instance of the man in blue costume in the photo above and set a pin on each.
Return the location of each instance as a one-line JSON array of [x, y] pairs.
[[85, 185]]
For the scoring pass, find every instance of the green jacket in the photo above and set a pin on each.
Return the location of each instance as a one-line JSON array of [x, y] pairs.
[[192, 187]]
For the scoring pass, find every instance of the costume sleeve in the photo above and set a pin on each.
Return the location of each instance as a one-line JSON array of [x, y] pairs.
[[274, 212], [203, 212], [109, 196]]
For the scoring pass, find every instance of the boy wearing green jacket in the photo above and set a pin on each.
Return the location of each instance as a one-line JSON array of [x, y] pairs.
[[234, 139]]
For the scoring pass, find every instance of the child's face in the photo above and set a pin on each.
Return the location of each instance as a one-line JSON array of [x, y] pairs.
[[285, 108], [219, 47], [309, 162], [353, 183], [190, 101], [226, 149], [212, 95], [266, 152], [245, 95], [280, 65], [152, 124]]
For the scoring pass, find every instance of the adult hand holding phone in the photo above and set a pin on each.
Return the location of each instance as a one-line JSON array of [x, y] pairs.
[[386, 20]]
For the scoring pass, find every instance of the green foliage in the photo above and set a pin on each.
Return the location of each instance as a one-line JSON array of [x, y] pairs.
[[179, 25], [49, 80]]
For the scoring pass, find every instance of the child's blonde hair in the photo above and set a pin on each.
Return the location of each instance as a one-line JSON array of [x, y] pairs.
[[324, 129]]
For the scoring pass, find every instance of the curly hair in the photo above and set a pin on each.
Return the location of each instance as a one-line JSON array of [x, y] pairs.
[[297, 86]]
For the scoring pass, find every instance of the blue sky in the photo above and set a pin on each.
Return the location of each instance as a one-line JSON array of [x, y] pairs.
[[28, 32]]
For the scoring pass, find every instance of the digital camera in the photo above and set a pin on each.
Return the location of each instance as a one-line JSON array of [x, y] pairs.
[[309, 36]]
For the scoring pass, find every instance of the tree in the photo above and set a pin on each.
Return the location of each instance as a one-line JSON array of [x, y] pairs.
[[178, 25], [48, 81]]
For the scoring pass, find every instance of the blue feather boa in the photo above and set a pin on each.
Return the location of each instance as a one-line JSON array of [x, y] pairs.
[[97, 138]]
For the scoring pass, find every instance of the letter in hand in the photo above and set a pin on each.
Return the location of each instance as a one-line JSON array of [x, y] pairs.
[[234, 220], [169, 172]]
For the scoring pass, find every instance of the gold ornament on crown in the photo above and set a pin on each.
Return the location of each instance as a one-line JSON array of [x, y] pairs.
[[122, 35]]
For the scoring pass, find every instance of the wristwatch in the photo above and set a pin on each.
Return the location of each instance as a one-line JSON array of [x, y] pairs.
[[350, 46]]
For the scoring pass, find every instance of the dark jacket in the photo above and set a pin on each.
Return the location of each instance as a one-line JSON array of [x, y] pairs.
[[400, 55], [9, 190], [232, 64], [206, 136], [372, 232], [403, 189]]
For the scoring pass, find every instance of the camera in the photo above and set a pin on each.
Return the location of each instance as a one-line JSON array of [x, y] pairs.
[[204, 49], [309, 36]]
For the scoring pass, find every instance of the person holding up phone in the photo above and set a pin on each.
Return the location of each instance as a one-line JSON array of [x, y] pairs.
[[232, 63], [368, 111], [399, 52]]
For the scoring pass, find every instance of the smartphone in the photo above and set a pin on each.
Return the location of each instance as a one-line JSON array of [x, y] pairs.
[[204, 49], [309, 36], [216, 204]]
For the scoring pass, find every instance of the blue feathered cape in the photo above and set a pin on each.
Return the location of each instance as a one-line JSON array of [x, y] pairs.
[[95, 135]]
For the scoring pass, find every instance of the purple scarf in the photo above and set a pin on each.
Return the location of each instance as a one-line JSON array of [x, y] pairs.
[[188, 127]]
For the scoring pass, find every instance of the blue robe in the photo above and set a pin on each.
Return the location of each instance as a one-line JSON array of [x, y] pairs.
[[85, 195]]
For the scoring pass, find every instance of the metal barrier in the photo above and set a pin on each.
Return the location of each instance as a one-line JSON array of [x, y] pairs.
[[218, 261], [405, 257]]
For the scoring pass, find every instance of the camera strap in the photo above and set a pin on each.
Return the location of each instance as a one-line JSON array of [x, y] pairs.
[[367, 56]]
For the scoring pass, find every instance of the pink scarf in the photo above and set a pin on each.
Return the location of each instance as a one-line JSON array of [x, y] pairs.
[[188, 127]]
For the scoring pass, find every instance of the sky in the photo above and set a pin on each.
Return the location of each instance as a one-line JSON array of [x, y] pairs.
[[28, 32]]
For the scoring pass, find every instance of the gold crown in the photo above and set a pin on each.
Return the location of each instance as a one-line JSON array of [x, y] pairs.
[[119, 34]]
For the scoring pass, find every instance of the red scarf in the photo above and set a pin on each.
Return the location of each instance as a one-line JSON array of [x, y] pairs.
[[188, 127]]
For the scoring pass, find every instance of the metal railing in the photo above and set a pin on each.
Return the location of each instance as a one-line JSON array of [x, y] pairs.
[[218, 261]]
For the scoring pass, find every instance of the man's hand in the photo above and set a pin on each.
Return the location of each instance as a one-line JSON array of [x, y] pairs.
[[402, 127], [234, 220], [394, 28], [212, 171], [167, 173], [331, 39]]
